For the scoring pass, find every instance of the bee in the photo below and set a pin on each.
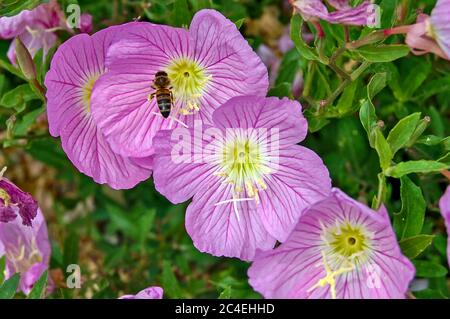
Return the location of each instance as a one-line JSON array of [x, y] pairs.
[[163, 93]]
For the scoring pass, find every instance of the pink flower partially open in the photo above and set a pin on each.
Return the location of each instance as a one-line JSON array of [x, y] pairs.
[[249, 180], [15, 202], [27, 250], [148, 293], [207, 64], [75, 68], [431, 33], [444, 205], [339, 249], [34, 27], [363, 14]]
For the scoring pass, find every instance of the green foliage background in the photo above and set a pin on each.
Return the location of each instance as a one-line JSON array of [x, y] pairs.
[[382, 132]]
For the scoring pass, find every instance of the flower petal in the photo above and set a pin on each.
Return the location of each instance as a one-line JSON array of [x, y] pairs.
[[234, 67], [219, 230], [440, 23], [259, 112], [77, 62], [120, 102], [300, 181], [444, 206]]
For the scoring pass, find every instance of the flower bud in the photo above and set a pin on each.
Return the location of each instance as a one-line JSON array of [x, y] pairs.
[[25, 61]]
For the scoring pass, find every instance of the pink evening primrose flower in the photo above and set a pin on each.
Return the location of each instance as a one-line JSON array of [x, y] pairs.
[[27, 250], [430, 33], [444, 205], [15, 202], [148, 293], [36, 28], [206, 65], [340, 248], [249, 180], [363, 14], [75, 67]]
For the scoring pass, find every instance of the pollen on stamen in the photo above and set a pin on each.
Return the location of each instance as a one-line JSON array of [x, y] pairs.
[[87, 91], [189, 81]]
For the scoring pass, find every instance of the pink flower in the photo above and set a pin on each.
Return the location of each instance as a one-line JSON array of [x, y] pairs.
[[14, 202], [431, 34], [363, 14], [250, 183], [27, 250], [74, 70], [207, 64], [444, 205], [35, 28], [339, 249], [148, 293], [86, 23]]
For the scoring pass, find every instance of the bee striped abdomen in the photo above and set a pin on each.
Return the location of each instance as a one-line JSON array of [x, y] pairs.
[[164, 101]]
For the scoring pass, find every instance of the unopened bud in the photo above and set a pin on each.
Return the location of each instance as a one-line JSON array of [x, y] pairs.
[[25, 61]]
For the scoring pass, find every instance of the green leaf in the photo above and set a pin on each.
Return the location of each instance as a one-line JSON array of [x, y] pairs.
[[430, 294], [38, 291], [409, 221], [281, 90], [18, 96], [181, 14], [429, 269], [383, 149], [226, 293], [401, 133], [239, 23], [345, 104], [9, 287], [170, 282], [27, 120], [433, 87], [13, 7], [296, 35], [414, 246], [71, 249], [2, 268], [368, 120], [388, 13], [383, 53], [376, 84], [415, 76], [420, 166]]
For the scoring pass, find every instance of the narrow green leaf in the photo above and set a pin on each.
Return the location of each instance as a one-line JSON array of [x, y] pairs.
[[181, 14], [2, 268], [383, 149], [376, 84], [383, 53], [71, 249], [409, 221], [12, 7], [429, 269], [239, 23], [170, 282], [401, 133], [421, 166], [296, 35], [345, 104], [414, 246], [226, 293], [9, 287], [38, 291], [388, 13], [368, 120]]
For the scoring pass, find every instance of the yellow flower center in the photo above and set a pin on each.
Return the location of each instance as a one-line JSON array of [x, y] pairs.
[[87, 91], [347, 246], [243, 164], [5, 197], [189, 80]]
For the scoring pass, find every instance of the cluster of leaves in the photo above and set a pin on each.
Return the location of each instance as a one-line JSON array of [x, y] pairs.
[[378, 116]]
